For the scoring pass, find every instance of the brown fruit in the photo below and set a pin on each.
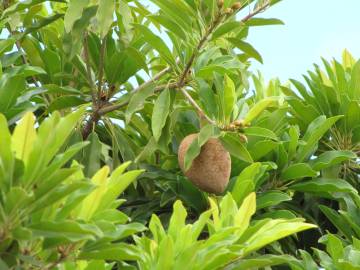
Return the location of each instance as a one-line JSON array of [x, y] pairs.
[[210, 170], [236, 6]]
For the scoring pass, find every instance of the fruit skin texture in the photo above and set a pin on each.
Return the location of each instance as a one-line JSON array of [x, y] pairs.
[[210, 170]]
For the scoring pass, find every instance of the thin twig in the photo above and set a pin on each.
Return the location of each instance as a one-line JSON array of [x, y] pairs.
[[114, 107], [183, 76], [99, 111], [88, 70], [196, 106], [156, 77], [101, 67], [202, 41]]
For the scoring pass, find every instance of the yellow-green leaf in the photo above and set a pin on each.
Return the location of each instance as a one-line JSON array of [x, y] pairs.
[[229, 98], [258, 108], [105, 15], [23, 137], [215, 214], [74, 12], [92, 201], [245, 212]]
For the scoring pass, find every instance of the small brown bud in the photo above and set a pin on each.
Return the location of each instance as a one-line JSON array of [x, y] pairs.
[[236, 6], [228, 11], [239, 123], [220, 3], [232, 126], [243, 138]]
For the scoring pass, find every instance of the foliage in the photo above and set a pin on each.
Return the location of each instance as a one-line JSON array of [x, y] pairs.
[[95, 94], [230, 237], [51, 214]]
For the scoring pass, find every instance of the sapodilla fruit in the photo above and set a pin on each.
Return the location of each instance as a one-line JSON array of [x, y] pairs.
[[210, 170]]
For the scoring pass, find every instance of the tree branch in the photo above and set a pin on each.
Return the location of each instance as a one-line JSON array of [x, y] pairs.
[[202, 41], [114, 107], [99, 111], [182, 78]]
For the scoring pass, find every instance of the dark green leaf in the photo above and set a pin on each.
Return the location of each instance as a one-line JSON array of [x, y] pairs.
[[297, 171], [271, 198]]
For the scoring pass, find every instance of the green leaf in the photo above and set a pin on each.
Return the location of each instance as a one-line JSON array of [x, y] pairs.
[[330, 158], [117, 184], [92, 155], [355, 81], [137, 100], [315, 131], [55, 180], [66, 102], [338, 222], [169, 24], [229, 98], [25, 71], [226, 28], [23, 137], [206, 132], [260, 132], [21, 233], [160, 113], [19, 6], [70, 230], [6, 155], [166, 254], [262, 261], [245, 212], [233, 144], [6, 45], [47, 144], [264, 21], [57, 194], [156, 228], [271, 198], [74, 12], [294, 134], [10, 90], [334, 247], [177, 220], [324, 185], [274, 230], [16, 198], [207, 98], [262, 148], [247, 48], [93, 200], [118, 252], [245, 182], [156, 42], [105, 16], [242, 188], [297, 171], [258, 108]]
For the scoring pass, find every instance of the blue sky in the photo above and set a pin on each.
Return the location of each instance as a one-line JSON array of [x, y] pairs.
[[313, 28]]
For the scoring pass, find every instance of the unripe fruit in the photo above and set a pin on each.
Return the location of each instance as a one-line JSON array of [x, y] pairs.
[[236, 6], [228, 11], [210, 170], [239, 123], [220, 3]]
